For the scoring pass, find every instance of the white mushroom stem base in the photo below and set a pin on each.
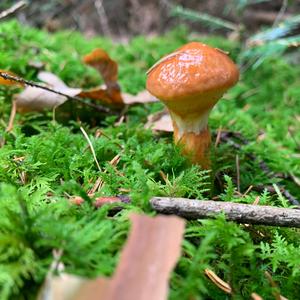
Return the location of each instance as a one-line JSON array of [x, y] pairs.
[[195, 138]]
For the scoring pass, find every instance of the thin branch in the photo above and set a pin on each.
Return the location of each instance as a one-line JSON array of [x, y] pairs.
[[40, 86], [242, 213], [16, 7]]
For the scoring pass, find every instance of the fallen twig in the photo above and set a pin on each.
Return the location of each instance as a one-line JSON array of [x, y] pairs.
[[242, 213], [40, 86], [18, 6]]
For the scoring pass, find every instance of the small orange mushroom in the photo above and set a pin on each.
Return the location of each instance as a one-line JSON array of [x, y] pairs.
[[190, 81]]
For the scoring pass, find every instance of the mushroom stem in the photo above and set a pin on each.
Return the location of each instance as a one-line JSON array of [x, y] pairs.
[[195, 145], [192, 133]]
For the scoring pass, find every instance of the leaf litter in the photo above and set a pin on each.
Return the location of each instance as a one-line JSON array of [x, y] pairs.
[[34, 98]]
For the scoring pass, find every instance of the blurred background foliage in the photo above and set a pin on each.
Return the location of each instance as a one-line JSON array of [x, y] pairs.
[[266, 28]]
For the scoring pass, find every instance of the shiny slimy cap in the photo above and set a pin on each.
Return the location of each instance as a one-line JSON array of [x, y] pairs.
[[193, 71]]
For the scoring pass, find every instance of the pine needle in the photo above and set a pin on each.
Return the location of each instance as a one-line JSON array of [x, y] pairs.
[[92, 148]]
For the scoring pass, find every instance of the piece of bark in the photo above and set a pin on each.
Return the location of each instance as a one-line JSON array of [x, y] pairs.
[[242, 213]]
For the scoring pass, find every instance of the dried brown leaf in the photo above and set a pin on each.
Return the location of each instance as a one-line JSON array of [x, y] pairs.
[[224, 286], [111, 93], [114, 96], [101, 61], [142, 97], [160, 121], [37, 99], [108, 68], [109, 96], [9, 82]]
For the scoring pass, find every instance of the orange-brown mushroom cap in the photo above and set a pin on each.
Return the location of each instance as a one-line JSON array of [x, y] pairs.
[[193, 73]]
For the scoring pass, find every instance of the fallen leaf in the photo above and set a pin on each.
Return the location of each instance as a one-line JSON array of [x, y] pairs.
[[108, 68], [224, 286], [149, 255], [109, 96], [55, 82], [9, 82], [101, 61], [37, 99], [111, 92], [160, 121], [141, 97], [114, 96]]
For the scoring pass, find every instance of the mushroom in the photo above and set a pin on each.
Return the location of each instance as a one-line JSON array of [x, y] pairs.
[[190, 81]]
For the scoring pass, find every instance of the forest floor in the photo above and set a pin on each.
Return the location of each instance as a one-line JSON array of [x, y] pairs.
[[45, 161]]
